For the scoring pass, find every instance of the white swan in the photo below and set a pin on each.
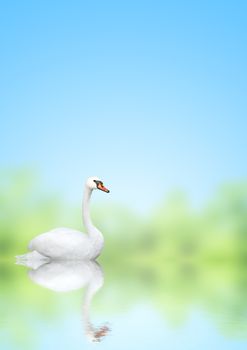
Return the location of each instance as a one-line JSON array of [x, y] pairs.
[[65, 276], [66, 243]]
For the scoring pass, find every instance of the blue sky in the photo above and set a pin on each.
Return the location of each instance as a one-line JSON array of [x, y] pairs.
[[148, 95]]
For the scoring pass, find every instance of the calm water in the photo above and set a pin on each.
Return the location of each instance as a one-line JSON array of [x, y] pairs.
[[80, 306]]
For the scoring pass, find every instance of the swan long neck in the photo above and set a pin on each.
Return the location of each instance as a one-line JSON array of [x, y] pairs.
[[86, 210], [95, 236]]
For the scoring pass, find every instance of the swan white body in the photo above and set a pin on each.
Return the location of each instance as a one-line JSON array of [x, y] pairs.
[[69, 244], [65, 243]]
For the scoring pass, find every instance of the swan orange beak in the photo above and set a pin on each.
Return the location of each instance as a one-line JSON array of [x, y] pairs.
[[102, 188]]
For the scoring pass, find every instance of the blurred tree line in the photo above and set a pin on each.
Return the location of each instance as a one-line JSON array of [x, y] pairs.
[[173, 231]]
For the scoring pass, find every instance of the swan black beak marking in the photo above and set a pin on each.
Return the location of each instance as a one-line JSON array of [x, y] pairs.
[[101, 187]]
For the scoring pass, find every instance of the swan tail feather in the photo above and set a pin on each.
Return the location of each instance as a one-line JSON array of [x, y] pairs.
[[32, 259]]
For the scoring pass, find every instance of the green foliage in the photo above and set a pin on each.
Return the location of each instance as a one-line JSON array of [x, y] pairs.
[[176, 258]]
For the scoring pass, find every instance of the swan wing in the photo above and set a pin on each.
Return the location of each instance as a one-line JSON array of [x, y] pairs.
[[61, 243]]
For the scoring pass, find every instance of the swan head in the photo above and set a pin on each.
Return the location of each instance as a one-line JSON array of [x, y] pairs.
[[94, 183]]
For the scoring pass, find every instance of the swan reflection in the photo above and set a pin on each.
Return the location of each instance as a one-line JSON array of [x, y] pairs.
[[65, 276]]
